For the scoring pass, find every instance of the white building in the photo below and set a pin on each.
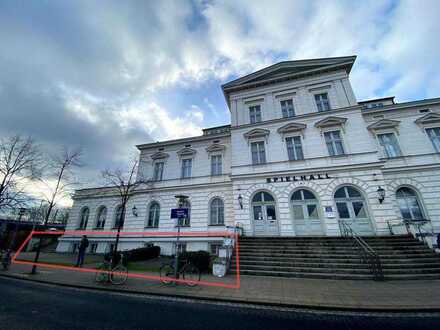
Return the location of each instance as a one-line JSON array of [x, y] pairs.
[[301, 153]]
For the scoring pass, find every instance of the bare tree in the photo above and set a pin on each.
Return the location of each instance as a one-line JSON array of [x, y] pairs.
[[59, 183], [20, 162], [124, 183]]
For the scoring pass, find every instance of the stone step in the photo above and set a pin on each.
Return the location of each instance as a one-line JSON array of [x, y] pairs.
[[428, 260], [327, 239], [339, 270], [329, 254], [318, 264], [334, 276], [406, 249], [317, 244]]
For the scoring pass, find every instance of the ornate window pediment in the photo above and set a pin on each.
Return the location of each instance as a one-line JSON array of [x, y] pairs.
[[186, 152], [292, 128], [429, 118], [256, 133], [331, 121], [384, 124], [215, 147], [159, 155]]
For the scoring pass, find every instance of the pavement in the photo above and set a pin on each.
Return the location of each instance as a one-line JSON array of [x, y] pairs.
[[31, 305], [418, 295]]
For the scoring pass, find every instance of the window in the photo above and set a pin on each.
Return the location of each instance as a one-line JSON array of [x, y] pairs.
[[434, 136], [389, 144], [100, 219], [304, 205], [186, 168], [217, 210], [214, 247], [216, 165], [334, 143], [350, 203], [322, 102], [287, 108], [181, 247], [186, 221], [93, 248], [119, 217], [258, 153], [158, 171], [409, 204], [255, 114], [294, 148], [84, 218], [153, 215]]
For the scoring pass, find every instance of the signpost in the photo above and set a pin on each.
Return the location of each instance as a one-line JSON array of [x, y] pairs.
[[179, 214]]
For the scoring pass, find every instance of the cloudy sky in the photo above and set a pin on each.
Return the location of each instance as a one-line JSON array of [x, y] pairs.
[[107, 75]]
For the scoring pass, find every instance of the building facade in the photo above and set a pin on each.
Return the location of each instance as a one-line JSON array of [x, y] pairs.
[[300, 155]]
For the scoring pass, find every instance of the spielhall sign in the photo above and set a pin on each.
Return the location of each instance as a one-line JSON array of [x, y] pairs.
[[308, 177]]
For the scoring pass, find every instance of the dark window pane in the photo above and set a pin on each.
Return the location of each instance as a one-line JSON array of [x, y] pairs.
[[340, 193], [359, 210], [312, 211], [353, 192], [258, 212], [343, 210], [308, 195], [271, 214], [258, 197], [297, 195], [268, 197]]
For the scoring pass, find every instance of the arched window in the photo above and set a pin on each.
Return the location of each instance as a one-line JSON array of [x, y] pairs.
[[217, 210], [153, 215], [186, 221], [409, 204], [350, 203], [119, 217], [100, 219], [84, 218], [304, 205], [264, 214]]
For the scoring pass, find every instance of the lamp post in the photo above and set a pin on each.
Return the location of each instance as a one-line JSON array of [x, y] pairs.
[[181, 201]]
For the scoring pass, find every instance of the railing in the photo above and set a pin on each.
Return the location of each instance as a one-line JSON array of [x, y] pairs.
[[415, 228], [366, 252]]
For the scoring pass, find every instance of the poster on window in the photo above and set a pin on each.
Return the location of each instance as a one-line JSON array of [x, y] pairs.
[[329, 213]]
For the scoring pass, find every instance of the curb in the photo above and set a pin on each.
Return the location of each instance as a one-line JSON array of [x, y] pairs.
[[307, 307]]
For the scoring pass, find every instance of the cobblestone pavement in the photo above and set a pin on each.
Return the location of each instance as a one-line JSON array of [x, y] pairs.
[[334, 294]]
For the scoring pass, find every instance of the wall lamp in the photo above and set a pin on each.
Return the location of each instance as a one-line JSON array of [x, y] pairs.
[[380, 194], [240, 201], [134, 211]]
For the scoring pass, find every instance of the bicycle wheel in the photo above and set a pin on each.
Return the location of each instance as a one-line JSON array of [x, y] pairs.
[[166, 271], [191, 273], [101, 276], [119, 275]]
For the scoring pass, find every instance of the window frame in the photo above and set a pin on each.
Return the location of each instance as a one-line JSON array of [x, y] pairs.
[[259, 152], [287, 113], [155, 163], [299, 136], [182, 168], [341, 138], [218, 164], [254, 115], [426, 128], [98, 216], [217, 215], [156, 218], [384, 153], [84, 225], [319, 93]]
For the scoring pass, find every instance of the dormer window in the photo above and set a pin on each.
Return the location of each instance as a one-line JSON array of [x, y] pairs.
[[255, 114], [287, 108], [322, 102]]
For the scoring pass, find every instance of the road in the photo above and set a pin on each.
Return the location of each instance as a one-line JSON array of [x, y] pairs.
[[27, 305]]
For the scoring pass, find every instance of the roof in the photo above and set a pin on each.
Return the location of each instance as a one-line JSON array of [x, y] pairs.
[[387, 98]]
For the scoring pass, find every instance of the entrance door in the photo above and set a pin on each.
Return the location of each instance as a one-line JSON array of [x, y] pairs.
[[305, 213], [264, 215], [352, 209]]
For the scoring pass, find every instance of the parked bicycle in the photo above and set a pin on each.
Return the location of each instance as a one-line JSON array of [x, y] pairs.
[[5, 257], [115, 275], [188, 271]]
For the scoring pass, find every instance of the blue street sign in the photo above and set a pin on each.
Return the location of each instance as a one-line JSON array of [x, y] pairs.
[[180, 213]]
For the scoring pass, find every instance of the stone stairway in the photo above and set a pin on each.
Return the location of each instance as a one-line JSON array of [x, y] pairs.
[[402, 258]]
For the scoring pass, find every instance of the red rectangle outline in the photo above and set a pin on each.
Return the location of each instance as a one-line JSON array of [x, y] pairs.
[[236, 285]]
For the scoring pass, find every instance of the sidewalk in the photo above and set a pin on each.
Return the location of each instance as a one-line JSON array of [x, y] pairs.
[[304, 293]]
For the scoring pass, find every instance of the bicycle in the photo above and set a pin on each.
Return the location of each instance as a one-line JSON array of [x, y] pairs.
[[188, 271], [5, 257], [116, 275]]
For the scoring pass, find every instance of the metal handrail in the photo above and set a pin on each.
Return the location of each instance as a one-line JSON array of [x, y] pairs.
[[366, 252]]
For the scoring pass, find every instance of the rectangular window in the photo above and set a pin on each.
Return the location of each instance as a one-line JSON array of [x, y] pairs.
[[158, 171], [334, 143], [186, 168], [389, 144], [255, 114], [258, 153], [434, 136], [322, 102], [294, 148], [213, 248], [93, 248], [287, 108], [216, 165]]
